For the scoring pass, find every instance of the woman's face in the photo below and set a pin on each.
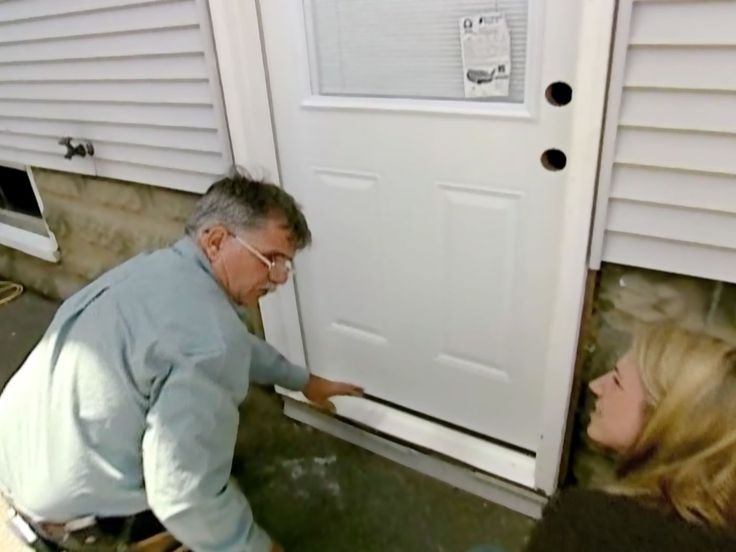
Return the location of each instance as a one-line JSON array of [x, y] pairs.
[[618, 417]]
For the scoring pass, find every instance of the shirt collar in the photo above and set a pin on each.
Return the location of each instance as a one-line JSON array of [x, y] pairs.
[[188, 248]]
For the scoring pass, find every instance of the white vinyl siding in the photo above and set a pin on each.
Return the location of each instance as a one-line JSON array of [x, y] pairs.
[[667, 188], [137, 78]]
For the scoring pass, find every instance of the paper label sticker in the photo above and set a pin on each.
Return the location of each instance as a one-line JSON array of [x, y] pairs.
[[486, 48]]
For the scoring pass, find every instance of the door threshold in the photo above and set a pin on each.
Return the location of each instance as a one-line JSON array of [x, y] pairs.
[[503, 462], [482, 483]]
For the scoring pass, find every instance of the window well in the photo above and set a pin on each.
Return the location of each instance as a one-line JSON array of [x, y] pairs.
[[22, 225]]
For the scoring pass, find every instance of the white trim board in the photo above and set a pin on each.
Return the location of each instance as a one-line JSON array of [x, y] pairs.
[[480, 484], [610, 130], [596, 24], [237, 34]]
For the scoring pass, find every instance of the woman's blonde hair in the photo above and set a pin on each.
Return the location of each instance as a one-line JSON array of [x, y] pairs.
[[684, 459]]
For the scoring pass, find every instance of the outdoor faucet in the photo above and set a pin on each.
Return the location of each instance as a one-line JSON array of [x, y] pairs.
[[82, 150]]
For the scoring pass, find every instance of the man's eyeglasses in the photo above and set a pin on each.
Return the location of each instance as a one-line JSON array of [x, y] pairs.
[[278, 270]]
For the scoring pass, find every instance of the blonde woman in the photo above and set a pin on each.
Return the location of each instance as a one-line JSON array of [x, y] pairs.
[[668, 409]]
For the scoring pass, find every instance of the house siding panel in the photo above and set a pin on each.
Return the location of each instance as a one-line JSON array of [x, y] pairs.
[[136, 78], [667, 185]]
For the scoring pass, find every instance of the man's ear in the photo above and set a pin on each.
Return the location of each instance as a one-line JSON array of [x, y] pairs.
[[212, 240]]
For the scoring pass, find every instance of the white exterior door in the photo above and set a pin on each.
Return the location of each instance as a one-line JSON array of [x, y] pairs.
[[435, 261]]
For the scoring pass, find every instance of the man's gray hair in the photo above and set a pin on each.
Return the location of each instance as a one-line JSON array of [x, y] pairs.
[[239, 202]]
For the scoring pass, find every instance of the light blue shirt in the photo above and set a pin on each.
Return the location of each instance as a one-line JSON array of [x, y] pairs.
[[130, 402]]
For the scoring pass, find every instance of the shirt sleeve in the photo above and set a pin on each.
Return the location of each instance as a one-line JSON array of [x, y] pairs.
[[188, 449], [269, 367]]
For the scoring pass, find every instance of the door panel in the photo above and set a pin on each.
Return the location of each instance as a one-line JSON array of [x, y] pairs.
[[435, 227]]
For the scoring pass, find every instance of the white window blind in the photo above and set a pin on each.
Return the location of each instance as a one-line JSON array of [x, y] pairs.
[[404, 48]]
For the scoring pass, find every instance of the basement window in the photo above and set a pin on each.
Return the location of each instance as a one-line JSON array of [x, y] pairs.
[[22, 225]]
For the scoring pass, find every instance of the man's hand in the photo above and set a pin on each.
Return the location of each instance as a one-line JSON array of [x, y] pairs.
[[319, 390]]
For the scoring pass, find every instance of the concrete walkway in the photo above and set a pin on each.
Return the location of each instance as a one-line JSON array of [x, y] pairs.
[[312, 492]]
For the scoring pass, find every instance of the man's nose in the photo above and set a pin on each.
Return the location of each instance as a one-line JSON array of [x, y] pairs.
[[279, 279]]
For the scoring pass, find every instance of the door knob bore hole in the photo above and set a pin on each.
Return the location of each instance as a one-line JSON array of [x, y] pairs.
[[554, 160], [558, 93]]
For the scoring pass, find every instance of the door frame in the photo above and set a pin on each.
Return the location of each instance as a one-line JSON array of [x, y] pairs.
[[243, 72]]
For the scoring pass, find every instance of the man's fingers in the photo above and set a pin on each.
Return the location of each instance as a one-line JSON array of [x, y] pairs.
[[356, 391], [327, 406], [347, 389]]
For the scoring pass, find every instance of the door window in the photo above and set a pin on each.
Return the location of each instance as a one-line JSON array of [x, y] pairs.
[[411, 48]]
